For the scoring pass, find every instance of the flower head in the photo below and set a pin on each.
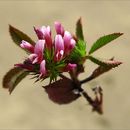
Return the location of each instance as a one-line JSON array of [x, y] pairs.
[[49, 57]]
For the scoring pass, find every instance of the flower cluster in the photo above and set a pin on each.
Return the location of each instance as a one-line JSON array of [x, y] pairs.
[[49, 57]]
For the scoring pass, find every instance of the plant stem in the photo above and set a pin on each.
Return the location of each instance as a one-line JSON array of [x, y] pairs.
[[87, 79]]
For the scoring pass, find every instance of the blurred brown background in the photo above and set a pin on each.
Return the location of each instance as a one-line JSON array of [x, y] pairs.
[[29, 107]]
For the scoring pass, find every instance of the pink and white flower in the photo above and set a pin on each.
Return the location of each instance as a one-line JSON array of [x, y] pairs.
[[59, 28], [69, 42], [61, 46], [37, 56], [43, 68], [27, 45], [45, 34]]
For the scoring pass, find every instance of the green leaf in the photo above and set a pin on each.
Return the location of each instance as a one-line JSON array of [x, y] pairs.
[[103, 41], [17, 36], [79, 30], [105, 63], [13, 77]]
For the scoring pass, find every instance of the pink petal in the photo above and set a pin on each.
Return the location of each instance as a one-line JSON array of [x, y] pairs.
[[48, 29], [69, 42], [44, 30], [43, 68], [39, 47], [47, 35], [59, 47], [61, 52], [59, 43], [59, 28], [59, 55], [38, 32], [71, 67], [27, 45], [44, 33], [67, 38], [36, 60], [72, 44], [32, 57]]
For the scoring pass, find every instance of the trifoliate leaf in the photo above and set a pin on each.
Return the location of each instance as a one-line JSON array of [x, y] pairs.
[[13, 77], [103, 41]]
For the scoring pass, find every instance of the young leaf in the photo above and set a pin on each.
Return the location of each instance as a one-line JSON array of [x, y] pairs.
[[105, 63], [103, 41], [79, 30], [13, 77], [17, 36], [101, 70]]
